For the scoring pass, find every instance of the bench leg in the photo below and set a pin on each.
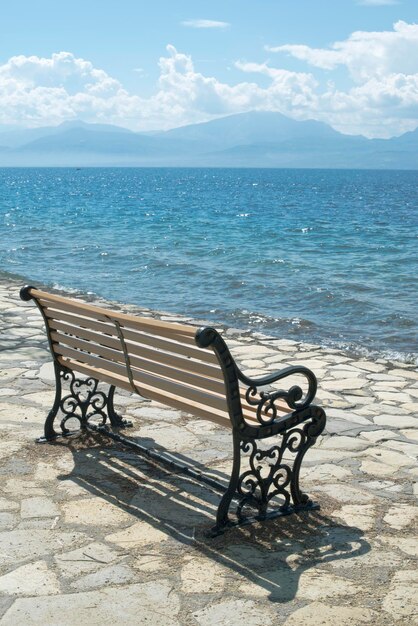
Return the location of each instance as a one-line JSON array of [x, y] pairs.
[[49, 431], [222, 518], [300, 445], [268, 475], [116, 419], [83, 403]]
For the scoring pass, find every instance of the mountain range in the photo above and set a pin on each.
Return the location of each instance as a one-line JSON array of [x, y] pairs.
[[253, 139]]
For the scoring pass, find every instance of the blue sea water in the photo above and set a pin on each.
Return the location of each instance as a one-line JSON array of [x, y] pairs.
[[324, 256]]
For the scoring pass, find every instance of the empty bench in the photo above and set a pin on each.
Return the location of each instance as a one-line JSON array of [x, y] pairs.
[[190, 369]]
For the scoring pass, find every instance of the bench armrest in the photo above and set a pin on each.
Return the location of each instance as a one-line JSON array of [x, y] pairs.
[[267, 411], [265, 400]]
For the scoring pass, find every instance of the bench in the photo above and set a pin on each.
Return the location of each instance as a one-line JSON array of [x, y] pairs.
[[192, 370]]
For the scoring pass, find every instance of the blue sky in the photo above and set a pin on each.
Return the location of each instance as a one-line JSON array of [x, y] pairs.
[[146, 65]]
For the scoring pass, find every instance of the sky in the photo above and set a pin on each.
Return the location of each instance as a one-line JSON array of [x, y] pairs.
[[161, 64]]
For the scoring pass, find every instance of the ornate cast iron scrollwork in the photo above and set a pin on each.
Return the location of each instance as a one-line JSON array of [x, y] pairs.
[[259, 484], [265, 401], [84, 403], [269, 475], [270, 481]]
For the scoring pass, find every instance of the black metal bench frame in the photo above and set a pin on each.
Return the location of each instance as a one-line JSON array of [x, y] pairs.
[[266, 475]]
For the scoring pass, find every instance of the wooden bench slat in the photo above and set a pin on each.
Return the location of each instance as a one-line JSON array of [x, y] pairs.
[[85, 333], [101, 363], [199, 410], [114, 342], [192, 366], [176, 402], [166, 345], [163, 355], [179, 361], [143, 364], [55, 311], [102, 375], [101, 314], [206, 358], [161, 343], [143, 379], [107, 327], [199, 368]]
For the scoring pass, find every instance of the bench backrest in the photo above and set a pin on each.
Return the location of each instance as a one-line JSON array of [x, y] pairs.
[[159, 360]]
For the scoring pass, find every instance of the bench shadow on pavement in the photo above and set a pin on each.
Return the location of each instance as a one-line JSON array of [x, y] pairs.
[[271, 554]]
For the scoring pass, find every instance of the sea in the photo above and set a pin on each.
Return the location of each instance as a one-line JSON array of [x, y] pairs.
[[328, 257]]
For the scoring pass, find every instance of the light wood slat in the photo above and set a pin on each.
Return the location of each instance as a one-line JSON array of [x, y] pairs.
[[98, 373], [143, 380], [85, 333], [143, 365], [172, 360], [181, 389], [107, 328], [248, 410], [55, 312], [202, 369], [208, 371], [193, 351], [87, 317], [188, 339], [103, 364], [137, 337], [180, 362], [88, 346], [96, 312], [195, 366], [195, 408]]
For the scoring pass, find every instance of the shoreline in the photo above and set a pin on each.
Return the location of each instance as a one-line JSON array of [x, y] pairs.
[[364, 376], [356, 353]]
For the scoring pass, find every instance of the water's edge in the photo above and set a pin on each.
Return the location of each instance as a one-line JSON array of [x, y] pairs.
[[16, 281]]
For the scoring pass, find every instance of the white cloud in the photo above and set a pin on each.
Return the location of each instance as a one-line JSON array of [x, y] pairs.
[[36, 91], [378, 108], [325, 59], [205, 24], [382, 99], [195, 96], [365, 54], [384, 69]]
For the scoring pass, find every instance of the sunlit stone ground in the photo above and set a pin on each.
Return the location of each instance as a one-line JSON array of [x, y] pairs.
[[91, 533]]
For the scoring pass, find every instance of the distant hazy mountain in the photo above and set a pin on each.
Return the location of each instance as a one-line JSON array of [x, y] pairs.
[[255, 139], [249, 128], [16, 138]]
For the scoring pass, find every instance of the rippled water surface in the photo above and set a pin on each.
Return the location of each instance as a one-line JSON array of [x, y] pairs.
[[324, 256]]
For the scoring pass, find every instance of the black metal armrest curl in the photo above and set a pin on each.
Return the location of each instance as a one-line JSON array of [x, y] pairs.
[[265, 401], [291, 396]]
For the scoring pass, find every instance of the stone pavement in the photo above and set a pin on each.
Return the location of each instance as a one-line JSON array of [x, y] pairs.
[[91, 533]]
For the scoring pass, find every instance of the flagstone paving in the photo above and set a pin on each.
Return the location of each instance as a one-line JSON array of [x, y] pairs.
[[91, 533]]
